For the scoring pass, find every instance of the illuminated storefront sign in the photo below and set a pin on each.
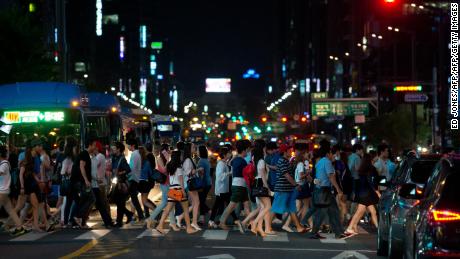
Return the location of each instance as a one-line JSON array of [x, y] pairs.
[[407, 88], [99, 17], [15, 117], [324, 109]]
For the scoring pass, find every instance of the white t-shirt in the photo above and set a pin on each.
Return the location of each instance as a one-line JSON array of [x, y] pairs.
[[94, 172], [261, 169], [174, 180], [187, 168], [67, 166], [5, 177], [101, 168], [299, 170], [222, 178]]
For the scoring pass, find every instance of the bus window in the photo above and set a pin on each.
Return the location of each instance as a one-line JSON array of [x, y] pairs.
[[98, 127], [115, 127]]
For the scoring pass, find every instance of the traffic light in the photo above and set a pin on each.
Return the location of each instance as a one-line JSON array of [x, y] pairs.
[[284, 119], [303, 119]]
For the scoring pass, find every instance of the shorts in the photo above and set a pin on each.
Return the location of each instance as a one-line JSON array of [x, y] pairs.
[[304, 193], [144, 186], [284, 202], [239, 194]]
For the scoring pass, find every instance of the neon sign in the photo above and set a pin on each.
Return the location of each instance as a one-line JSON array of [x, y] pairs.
[[407, 88], [16, 117]]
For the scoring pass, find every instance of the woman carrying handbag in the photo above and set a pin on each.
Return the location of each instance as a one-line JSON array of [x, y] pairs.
[[120, 194], [176, 193]]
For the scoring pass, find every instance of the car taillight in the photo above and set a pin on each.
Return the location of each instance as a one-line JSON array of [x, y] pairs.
[[445, 215]]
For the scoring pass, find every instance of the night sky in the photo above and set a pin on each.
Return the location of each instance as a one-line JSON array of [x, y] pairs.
[[217, 38]]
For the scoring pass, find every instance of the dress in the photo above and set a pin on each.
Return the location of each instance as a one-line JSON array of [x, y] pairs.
[[366, 194]]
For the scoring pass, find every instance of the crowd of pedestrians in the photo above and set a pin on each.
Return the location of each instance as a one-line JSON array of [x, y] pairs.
[[253, 185]]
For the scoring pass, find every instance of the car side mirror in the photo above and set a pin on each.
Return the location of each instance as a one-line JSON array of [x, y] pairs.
[[411, 191], [383, 182]]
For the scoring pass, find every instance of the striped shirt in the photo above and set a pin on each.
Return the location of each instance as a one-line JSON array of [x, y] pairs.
[[282, 184]]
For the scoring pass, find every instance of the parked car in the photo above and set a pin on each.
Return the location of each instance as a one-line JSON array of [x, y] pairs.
[[393, 207], [433, 226]]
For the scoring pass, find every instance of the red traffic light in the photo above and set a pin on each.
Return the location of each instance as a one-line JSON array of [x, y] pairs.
[[264, 119], [303, 119], [284, 119]]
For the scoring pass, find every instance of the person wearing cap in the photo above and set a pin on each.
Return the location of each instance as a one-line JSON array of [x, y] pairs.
[[99, 183], [285, 197]]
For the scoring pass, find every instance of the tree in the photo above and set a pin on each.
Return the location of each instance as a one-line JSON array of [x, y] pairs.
[[23, 54], [396, 129]]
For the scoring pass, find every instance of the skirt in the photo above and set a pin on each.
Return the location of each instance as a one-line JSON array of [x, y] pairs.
[[305, 192], [145, 186]]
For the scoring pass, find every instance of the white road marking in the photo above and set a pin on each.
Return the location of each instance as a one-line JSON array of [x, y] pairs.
[[93, 234], [281, 249], [350, 254], [149, 233], [31, 236], [330, 239], [279, 237], [215, 234]]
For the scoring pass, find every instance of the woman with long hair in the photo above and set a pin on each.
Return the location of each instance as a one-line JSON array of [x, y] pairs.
[[367, 195], [263, 201], [145, 184], [176, 181], [190, 171], [70, 153], [29, 185]]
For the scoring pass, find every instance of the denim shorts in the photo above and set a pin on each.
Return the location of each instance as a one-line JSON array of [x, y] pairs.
[[284, 202]]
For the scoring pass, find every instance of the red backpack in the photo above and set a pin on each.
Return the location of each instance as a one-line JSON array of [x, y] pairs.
[[249, 174]]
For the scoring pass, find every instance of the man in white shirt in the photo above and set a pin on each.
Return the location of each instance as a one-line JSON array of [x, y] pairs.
[[382, 162], [135, 163], [5, 181]]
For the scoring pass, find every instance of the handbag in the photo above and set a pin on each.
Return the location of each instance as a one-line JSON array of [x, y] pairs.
[[175, 194], [64, 187], [258, 190], [322, 197], [195, 183]]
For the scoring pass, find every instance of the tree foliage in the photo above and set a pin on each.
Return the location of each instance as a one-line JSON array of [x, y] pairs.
[[397, 129], [23, 54]]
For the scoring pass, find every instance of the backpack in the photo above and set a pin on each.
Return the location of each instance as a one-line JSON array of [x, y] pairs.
[[249, 174]]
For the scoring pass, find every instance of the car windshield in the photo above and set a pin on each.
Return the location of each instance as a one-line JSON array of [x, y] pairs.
[[421, 171]]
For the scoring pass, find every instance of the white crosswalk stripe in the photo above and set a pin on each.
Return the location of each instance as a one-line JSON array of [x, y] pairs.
[[215, 234], [279, 237], [330, 239], [150, 233], [31, 236], [93, 234]]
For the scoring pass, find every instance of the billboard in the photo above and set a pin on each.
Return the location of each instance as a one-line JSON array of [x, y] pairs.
[[218, 85]]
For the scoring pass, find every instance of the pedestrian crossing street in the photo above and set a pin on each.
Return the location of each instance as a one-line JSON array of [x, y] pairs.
[[140, 232]]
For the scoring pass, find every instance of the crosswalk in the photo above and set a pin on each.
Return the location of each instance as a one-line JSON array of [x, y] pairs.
[[141, 232]]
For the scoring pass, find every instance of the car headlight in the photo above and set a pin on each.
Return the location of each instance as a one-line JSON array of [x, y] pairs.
[[115, 180]]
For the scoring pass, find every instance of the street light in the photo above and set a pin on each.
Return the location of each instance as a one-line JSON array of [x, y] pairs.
[[380, 37], [396, 29], [347, 54], [373, 35], [336, 58], [331, 57], [390, 28]]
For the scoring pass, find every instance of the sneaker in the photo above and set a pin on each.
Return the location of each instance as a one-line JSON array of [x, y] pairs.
[[317, 236], [277, 221], [18, 231], [212, 224]]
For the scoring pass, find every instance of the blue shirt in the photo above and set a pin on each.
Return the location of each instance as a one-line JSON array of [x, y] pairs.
[[37, 164], [146, 171], [204, 163], [324, 168], [354, 161], [238, 165]]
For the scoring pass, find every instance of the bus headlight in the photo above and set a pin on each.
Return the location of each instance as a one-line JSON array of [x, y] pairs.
[[115, 180]]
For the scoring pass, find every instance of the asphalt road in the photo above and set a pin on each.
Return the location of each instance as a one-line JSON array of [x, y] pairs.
[[134, 241]]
